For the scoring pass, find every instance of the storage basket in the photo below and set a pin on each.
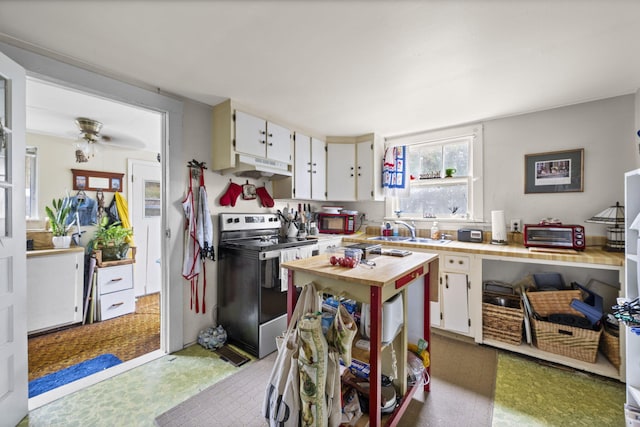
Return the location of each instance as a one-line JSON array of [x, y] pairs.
[[577, 343], [554, 302], [610, 347], [502, 323]]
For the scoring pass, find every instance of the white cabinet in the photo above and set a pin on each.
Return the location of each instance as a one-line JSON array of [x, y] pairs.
[[454, 285], [115, 292], [237, 134], [632, 291], [310, 168], [352, 171], [341, 172], [326, 243], [364, 171], [259, 138], [55, 284]]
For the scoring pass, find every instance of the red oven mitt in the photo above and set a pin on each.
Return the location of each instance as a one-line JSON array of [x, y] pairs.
[[231, 195], [265, 197]]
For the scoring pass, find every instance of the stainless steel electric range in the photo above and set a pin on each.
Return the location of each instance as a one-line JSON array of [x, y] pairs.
[[251, 306]]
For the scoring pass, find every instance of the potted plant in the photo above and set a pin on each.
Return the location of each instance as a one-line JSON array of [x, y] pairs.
[[58, 214], [111, 239]]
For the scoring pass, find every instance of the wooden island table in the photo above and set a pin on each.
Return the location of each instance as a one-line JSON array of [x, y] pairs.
[[374, 285]]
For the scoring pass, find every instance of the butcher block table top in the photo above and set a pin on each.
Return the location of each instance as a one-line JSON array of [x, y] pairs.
[[387, 269]]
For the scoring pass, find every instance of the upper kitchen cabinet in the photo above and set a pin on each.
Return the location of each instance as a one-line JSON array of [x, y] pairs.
[[309, 168], [353, 168], [248, 145], [260, 138]]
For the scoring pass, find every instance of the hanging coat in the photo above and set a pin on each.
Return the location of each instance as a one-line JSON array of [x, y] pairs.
[[123, 213]]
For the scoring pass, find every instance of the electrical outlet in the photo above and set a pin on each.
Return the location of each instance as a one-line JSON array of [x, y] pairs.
[[516, 226]]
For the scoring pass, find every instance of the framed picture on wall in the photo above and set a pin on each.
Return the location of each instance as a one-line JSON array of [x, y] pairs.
[[554, 172]]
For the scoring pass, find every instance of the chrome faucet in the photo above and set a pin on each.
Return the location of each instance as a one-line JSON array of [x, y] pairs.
[[411, 227]]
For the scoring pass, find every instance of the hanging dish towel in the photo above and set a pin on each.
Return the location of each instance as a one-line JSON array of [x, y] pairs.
[[290, 255], [394, 171]]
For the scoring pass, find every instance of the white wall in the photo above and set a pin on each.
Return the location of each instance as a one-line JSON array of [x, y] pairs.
[[603, 128]]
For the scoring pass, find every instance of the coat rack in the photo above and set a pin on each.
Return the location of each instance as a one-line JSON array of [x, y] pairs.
[[196, 167]]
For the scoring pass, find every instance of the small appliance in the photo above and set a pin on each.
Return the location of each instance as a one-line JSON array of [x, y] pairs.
[[336, 223], [470, 235], [392, 319], [555, 235], [498, 228]]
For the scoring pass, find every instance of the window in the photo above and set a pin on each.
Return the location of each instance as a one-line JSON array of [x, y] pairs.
[[31, 198], [445, 168]]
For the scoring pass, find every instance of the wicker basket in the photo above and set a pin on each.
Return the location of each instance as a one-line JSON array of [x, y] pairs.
[[610, 346], [554, 302], [577, 343], [502, 323]]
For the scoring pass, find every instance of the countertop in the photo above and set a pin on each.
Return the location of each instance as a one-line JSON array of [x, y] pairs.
[[387, 269], [52, 251], [592, 255]]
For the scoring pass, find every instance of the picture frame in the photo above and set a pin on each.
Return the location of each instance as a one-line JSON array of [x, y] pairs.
[[554, 172]]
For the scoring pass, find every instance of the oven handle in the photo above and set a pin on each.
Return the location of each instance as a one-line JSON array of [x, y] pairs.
[[269, 255]]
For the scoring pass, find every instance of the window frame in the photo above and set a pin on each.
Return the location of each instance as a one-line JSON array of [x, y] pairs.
[[475, 203], [31, 155]]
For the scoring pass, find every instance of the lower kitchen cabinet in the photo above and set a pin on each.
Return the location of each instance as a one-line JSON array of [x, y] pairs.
[[114, 290], [455, 303], [55, 283]]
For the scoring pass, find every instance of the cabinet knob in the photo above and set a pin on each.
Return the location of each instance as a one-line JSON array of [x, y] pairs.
[[315, 171], [262, 132], [359, 174], [270, 144], [351, 175], [460, 262], [352, 167], [270, 135], [262, 141]]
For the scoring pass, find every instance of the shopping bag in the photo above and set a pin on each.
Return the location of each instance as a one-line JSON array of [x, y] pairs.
[[281, 405], [341, 334], [312, 362], [334, 389]]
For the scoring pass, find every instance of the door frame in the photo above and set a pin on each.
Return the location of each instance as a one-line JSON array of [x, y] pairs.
[[52, 70]]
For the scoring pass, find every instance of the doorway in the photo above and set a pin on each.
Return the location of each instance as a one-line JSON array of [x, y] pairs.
[[132, 335]]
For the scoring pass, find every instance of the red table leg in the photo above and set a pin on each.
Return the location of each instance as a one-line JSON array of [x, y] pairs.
[[375, 377], [427, 322]]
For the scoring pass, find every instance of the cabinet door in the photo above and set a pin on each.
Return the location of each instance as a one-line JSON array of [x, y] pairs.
[[341, 165], [455, 305], [318, 169], [251, 135], [278, 143], [364, 175], [302, 166]]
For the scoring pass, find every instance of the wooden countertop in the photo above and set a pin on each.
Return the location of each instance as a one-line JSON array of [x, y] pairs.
[[592, 255], [44, 252], [387, 269]]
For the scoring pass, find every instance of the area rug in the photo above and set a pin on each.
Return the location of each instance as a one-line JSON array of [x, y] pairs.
[[463, 377], [533, 393], [72, 373]]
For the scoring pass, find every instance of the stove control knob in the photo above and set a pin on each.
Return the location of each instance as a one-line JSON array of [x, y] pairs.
[[236, 220], [229, 220]]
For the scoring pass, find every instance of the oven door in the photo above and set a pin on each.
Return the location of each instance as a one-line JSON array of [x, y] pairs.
[[272, 301]]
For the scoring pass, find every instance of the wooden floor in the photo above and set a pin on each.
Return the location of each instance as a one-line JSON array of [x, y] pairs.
[[127, 337]]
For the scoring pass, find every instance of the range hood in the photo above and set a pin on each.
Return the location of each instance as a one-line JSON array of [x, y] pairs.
[[259, 168]]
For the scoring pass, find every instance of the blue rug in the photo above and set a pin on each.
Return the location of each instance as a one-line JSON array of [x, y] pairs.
[[72, 373]]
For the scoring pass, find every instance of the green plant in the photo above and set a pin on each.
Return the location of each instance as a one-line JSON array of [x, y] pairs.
[[58, 214], [113, 234]]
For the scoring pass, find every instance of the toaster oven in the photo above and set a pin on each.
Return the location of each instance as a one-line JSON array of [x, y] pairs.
[[554, 236]]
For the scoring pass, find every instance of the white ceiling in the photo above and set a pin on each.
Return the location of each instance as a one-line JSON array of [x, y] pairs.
[[350, 67]]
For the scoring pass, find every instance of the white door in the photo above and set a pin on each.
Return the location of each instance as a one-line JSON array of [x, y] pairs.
[[251, 135], [318, 169], [365, 170], [146, 221], [278, 143], [302, 167], [13, 258], [455, 308], [341, 165]]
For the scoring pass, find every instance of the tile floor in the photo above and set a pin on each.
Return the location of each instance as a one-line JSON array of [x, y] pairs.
[[138, 396]]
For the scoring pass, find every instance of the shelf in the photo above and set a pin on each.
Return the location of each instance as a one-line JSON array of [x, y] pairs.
[[601, 367]]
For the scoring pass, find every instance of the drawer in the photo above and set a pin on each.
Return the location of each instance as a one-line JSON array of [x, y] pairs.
[[114, 279], [455, 263], [116, 304], [410, 277]]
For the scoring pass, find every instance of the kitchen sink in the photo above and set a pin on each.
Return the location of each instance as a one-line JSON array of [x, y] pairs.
[[428, 241], [407, 239], [390, 238]]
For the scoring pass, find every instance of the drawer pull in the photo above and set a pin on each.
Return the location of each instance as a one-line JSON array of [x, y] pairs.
[[116, 280], [116, 305]]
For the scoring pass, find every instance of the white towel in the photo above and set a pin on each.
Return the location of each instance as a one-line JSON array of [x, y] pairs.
[[289, 255]]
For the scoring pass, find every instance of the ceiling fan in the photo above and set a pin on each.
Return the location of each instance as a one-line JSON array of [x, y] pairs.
[[90, 136]]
